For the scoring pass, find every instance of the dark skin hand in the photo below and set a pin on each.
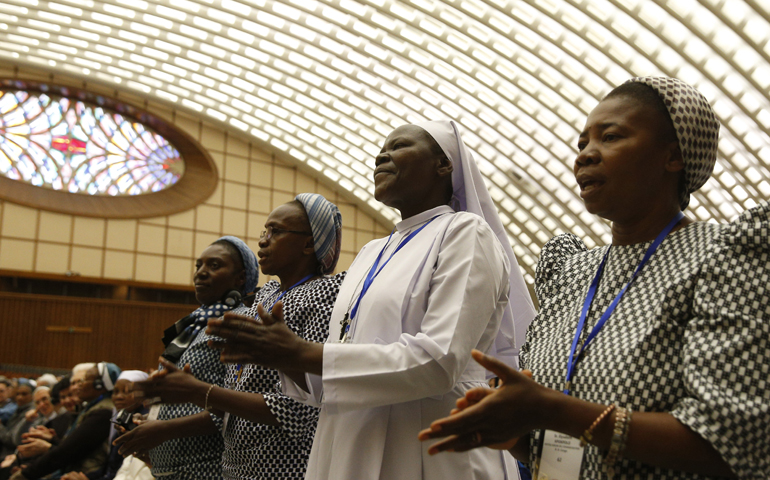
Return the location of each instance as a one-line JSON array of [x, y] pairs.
[[521, 405], [149, 434], [172, 385], [270, 343], [180, 386], [139, 441]]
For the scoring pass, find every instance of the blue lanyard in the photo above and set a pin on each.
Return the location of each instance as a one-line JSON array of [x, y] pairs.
[[373, 272], [573, 359], [280, 296]]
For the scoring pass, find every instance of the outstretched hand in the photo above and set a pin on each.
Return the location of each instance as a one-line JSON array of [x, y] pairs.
[[140, 440], [267, 341], [170, 384], [486, 417]]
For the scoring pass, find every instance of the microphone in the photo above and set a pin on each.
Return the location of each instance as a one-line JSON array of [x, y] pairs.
[[233, 298]]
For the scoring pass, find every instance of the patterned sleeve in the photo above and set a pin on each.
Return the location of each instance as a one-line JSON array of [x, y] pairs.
[[726, 356], [552, 258], [297, 419]]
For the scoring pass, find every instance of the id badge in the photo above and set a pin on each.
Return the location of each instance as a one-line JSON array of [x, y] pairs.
[[224, 422], [561, 458], [153, 413]]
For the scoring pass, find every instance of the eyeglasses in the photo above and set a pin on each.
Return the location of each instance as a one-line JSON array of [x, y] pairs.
[[272, 231]]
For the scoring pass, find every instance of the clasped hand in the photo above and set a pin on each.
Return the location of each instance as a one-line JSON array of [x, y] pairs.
[[268, 341], [493, 418]]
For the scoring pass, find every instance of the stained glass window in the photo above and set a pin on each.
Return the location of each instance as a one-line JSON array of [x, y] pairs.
[[66, 144]]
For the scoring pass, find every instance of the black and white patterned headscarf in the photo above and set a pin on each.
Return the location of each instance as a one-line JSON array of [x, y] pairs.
[[697, 129]]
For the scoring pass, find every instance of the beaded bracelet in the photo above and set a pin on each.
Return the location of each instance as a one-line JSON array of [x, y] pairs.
[[206, 403], [588, 434], [618, 442]]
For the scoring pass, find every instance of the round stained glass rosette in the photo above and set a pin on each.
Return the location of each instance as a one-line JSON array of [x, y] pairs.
[[68, 145]]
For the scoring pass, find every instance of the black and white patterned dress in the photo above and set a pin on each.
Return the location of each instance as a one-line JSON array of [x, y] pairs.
[[257, 451], [690, 337], [198, 457]]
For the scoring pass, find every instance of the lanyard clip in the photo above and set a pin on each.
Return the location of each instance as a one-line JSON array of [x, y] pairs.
[[345, 322]]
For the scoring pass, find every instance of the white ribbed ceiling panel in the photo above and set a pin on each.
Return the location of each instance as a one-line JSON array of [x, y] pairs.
[[325, 81]]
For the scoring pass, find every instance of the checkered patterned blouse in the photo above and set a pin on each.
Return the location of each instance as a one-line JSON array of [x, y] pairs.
[[690, 337], [256, 451], [198, 457]]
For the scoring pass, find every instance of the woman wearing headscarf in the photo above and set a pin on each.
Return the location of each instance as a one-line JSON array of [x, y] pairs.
[[411, 309], [184, 441], [266, 433], [659, 339]]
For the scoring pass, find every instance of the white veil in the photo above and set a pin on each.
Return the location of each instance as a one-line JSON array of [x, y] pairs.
[[470, 195]]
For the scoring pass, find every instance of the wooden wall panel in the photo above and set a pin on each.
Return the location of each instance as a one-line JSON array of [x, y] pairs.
[[126, 333]]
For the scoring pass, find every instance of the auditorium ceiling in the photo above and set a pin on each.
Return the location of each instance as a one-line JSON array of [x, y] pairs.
[[323, 82]]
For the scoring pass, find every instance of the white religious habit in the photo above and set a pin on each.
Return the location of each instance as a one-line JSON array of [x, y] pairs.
[[407, 356]]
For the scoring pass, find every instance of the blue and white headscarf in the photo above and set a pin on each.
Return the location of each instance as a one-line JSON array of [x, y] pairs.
[[178, 337], [326, 225], [249, 263]]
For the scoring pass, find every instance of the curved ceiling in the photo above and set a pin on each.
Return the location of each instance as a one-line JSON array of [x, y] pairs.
[[326, 81]]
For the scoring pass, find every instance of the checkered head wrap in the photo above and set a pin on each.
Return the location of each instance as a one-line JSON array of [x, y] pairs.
[[697, 129], [326, 225]]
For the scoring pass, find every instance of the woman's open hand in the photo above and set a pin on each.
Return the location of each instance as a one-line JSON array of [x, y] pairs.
[[268, 342], [172, 385], [142, 439], [486, 417]]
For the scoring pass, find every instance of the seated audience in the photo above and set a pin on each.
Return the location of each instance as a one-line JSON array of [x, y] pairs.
[[10, 434], [659, 340], [86, 446], [125, 404], [7, 405], [267, 434], [40, 438]]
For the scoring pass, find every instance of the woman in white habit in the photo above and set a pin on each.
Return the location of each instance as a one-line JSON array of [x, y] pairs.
[[408, 314]]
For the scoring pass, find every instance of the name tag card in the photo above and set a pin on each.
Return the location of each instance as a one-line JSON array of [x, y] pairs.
[[562, 457], [153, 413], [224, 422]]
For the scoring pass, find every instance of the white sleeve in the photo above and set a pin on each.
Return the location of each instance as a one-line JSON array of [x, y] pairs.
[[292, 390], [468, 292]]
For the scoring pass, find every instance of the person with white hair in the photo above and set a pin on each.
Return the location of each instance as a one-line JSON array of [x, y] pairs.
[[46, 380], [44, 410]]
